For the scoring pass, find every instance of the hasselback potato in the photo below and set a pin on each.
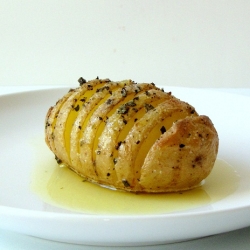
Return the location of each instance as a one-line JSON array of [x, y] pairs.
[[131, 136]]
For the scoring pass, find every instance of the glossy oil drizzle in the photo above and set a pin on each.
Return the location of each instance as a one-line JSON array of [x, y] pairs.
[[61, 187]]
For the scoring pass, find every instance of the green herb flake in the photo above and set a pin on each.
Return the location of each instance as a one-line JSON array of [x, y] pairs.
[[81, 81], [124, 92], [123, 109], [148, 107]]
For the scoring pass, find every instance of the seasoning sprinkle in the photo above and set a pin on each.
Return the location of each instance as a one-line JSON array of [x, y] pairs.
[[83, 99], [90, 87], [109, 101], [81, 81], [124, 92], [58, 160], [77, 108], [123, 109], [130, 104], [125, 183], [163, 129], [148, 107]]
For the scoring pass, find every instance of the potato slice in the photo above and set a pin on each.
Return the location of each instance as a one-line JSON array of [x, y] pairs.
[[142, 136], [51, 118], [81, 121], [67, 115], [182, 157], [117, 128], [96, 124]]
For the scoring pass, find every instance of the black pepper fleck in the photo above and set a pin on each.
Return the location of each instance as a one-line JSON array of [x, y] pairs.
[[109, 101], [125, 183], [163, 130], [77, 108], [58, 160]]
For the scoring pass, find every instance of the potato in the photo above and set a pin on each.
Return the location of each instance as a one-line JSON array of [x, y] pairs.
[[130, 136]]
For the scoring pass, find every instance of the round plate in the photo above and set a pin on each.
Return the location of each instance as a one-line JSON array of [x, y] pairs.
[[22, 119]]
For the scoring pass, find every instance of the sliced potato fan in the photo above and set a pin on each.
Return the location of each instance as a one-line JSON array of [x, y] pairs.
[[130, 136]]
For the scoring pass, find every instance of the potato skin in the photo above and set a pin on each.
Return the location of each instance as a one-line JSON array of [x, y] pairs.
[[165, 147], [182, 157]]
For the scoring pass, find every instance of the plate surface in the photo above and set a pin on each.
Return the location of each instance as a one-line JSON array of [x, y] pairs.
[[22, 120]]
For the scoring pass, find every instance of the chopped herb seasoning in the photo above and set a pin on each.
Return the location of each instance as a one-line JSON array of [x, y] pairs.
[[100, 118], [97, 77], [136, 98], [138, 89], [148, 107], [115, 160], [58, 160], [98, 152], [147, 93], [77, 108], [83, 99], [90, 87], [80, 127], [192, 111], [130, 104], [163, 130], [135, 119], [124, 92], [138, 142], [108, 174], [182, 145], [125, 183], [123, 109], [102, 89], [71, 90], [47, 124], [81, 81], [109, 101]]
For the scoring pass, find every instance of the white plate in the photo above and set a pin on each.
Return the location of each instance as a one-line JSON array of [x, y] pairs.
[[22, 120]]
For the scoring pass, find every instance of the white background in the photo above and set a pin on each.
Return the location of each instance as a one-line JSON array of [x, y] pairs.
[[176, 43]]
